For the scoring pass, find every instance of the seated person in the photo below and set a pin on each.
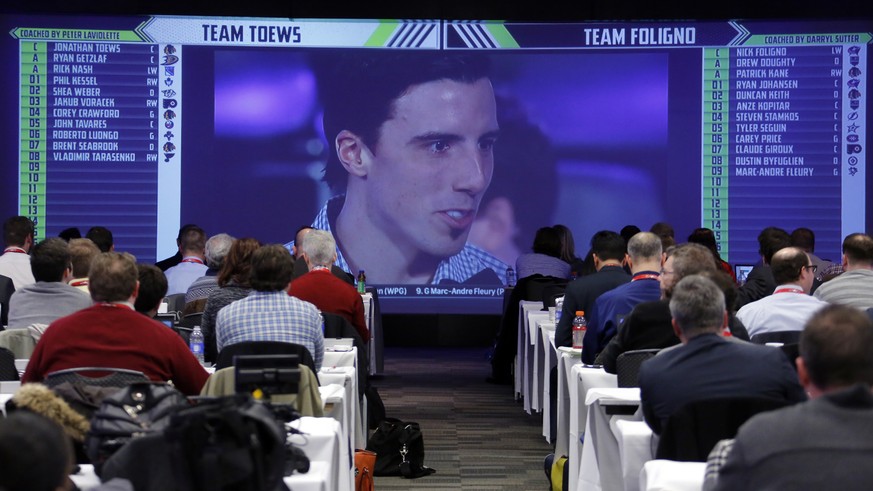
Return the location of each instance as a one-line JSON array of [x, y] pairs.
[[324, 290], [790, 305], [82, 252], [826, 443], [112, 334], [35, 454], [649, 324], [152, 289], [708, 366], [193, 263], [217, 248], [269, 313], [50, 297], [545, 258], [234, 283]]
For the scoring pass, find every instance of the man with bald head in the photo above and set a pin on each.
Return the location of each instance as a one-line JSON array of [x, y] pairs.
[[649, 325], [644, 259], [790, 305], [855, 286]]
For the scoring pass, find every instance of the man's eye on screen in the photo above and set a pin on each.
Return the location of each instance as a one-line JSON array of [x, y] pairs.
[[439, 146]]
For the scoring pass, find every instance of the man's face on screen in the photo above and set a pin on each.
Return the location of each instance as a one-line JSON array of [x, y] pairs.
[[431, 165]]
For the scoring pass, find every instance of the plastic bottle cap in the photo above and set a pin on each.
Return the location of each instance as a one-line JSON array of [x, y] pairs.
[[580, 313]]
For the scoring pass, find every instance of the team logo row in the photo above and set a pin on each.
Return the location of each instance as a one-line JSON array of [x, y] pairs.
[[853, 146], [170, 103]]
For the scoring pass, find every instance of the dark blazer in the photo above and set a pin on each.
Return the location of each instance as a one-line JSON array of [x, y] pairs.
[[711, 367], [650, 326], [581, 294], [759, 284]]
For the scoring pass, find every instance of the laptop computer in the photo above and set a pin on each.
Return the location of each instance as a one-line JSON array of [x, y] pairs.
[[742, 272]]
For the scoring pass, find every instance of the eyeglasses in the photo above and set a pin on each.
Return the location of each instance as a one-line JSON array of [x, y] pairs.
[[664, 272], [811, 267]]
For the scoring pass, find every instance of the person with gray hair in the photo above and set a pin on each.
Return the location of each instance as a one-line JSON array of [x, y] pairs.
[[644, 259], [324, 290], [300, 267], [649, 326], [707, 365], [826, 443], [217, 248]]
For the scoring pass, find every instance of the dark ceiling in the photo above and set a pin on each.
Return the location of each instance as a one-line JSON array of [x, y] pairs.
[[545, 10]]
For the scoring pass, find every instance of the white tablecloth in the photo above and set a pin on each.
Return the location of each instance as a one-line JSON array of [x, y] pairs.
[[667, 475], [523, 345], [566, 377], [549, 361], [634, 449], [600, 467], [322, 441], [337, 363], [544, 353], [330, 464], [581, 380], [531, 334]]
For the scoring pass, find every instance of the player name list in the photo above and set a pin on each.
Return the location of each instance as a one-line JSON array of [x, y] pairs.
[[772, 134], [89, 115]]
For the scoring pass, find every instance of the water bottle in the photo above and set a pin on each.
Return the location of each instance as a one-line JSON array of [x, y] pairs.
[[196, 343], [362, 282], [559, 308], [579, 327], [510, 277]]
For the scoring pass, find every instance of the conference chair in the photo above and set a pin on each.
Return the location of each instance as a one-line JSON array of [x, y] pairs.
[[693, 430], [19, 341], [627, 366], [84, 388], [112, 377], [8, 372], [225, 356]]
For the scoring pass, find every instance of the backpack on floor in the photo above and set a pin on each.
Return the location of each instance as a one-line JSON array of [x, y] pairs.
[[399, 448]]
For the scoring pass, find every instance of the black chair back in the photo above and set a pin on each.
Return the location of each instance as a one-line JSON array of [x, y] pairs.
[[691, 433], [784, 337], [225, 357], [111, 377], [627, 366], [8, 372], [337, 326]]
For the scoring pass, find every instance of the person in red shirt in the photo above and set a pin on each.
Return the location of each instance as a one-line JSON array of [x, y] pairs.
[[324, 290], [112, 334]]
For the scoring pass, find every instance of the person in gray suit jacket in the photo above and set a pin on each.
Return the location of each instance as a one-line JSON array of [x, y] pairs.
[[708, 366], [826, 443]]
